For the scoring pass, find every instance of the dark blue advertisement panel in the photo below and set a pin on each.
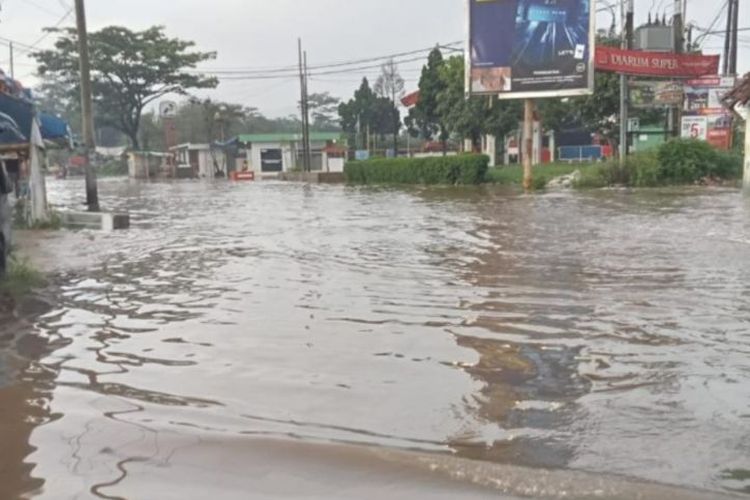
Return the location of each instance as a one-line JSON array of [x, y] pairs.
[[531, 48]]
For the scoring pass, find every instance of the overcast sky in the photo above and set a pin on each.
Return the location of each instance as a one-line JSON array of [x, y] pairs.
[[263, 34]]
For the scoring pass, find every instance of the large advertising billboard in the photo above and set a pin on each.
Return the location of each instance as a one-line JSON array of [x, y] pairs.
[[530, 48]]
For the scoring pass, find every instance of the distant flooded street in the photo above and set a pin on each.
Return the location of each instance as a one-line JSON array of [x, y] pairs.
[[606, 331]]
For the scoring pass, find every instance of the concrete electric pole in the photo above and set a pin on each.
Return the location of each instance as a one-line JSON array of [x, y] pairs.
[[627, 13], [303, 108], [89, 142]]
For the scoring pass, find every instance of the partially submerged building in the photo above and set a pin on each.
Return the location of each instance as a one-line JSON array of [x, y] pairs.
[[25, 136], [201, 161], [268, 155]]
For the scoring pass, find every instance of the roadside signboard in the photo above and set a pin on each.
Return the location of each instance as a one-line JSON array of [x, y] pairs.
[[657, 64], [695, 127], [653, 94], [522, 49], [707, 92], [703, 99]]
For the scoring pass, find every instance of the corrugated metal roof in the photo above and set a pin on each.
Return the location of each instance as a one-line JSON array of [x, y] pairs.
[[265, 138], [740, 94]]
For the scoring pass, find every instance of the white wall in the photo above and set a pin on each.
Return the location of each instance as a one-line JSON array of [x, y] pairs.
[[336, 165]]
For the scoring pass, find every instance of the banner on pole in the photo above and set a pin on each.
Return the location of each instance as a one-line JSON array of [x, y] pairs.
[[519, 49], [657, 64]]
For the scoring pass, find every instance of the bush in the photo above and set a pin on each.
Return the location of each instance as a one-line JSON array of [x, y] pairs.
[[674, 163], [688, 161], [114, 168], [451, 170]]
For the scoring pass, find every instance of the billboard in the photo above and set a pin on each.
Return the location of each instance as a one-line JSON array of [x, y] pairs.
[[653, 94], [530, 48]]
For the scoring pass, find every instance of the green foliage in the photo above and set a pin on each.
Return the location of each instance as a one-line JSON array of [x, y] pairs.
[[688, 161], [449, 170], [677, 162], [113, 168], [22, 216], [368, 112], [324, 112], [424, 119], [130, 70], [20, 279]]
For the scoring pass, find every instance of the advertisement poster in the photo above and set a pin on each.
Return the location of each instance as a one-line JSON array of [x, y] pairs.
[[652, 94], [703, 98], [707, 93], [530, 48], [695, 127]]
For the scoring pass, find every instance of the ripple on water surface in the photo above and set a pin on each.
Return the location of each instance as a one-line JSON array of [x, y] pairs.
[[605, 331]]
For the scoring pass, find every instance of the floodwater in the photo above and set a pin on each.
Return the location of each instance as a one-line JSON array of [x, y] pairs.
[[276, 340]]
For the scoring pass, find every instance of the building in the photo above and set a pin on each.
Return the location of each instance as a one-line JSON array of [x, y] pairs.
[[199, 161], [270, 154], [149, 165]]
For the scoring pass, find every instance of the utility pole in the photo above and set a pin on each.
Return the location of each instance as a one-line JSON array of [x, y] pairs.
[[89, 143], [308, 144], [678, 31], [735, 30], [678, 27], [731, 39], [627, 13], [12, 63], [303, 106], [528, 144]]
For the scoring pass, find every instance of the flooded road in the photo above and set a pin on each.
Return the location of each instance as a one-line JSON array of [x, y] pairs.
[[606, 332]]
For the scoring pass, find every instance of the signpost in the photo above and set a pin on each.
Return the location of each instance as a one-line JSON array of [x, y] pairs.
[[529, 49]]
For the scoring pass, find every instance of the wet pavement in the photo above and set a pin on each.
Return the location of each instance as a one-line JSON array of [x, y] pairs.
[[275, 323]]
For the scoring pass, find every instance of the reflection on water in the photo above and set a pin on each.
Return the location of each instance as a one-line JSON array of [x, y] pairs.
[[604, 332]]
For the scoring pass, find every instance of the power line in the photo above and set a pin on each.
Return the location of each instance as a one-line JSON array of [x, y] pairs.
[[340, 64], [57, 25], [312, 74]]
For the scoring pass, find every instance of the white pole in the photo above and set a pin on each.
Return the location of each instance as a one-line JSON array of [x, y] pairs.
[[746, 176], [36, 176]]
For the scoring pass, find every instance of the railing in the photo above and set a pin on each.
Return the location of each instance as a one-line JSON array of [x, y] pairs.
[[580, 153]]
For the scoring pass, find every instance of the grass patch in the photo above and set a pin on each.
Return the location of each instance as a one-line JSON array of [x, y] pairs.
[[21, 219], [512, 175], [20, 279]]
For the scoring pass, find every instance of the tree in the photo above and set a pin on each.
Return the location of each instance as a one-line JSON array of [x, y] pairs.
[[357, 115], [324, 111], [476, 116], [390, 85], [424, 118], [367, 114], [130, 70]]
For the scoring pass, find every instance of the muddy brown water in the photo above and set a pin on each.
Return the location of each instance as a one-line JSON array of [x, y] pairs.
[[276, 325]]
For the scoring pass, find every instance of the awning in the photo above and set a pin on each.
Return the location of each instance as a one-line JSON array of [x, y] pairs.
[[54, 128]]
